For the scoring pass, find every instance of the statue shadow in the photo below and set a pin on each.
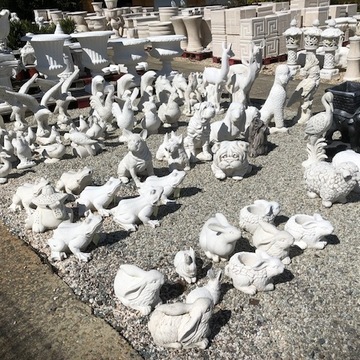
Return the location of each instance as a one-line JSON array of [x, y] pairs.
[[225, 287], [285, 277], [217, 321], [189, 191], [112, 238], [243, 245], [165, 210], [353, 197], [295, 251], [332, 240], [20, 174], [162, 171], [280, 219], [254, 170], [171, 291], [201, 268]]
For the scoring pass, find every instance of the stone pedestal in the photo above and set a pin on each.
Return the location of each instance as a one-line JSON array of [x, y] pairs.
[[353, 60]]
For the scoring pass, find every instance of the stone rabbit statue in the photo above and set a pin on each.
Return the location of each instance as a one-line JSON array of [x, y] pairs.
[[218, 238], [182, 326], [185, 265]]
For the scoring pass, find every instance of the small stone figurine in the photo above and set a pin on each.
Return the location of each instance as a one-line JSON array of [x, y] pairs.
[[182, 326], [309, 231], [185, 265], [137, 288], [218, 238], [6, 167], [273, 107], [253, 272], [230, 160], [138, 161], [74, 182], [75, 237], [198, 133]]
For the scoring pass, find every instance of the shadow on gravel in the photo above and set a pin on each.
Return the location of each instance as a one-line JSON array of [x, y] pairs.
[[332, 240], [285, 277], [171, 291], [166, 210], [189, 191], [217, 321], [17, 175]]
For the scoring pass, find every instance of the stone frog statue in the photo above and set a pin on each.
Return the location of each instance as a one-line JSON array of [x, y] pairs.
[[129, 212], [75, 237], [253, 272], [50, 210], [138, 288], [230, 160], [138, 161], [74, 182]]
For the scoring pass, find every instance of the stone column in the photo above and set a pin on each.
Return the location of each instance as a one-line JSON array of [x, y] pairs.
[[353, 59]]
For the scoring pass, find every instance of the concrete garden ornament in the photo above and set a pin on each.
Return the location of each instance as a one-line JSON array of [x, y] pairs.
[[332, 183], [253, 272], [138, 161], [82, 144], [182, 326], [230, 160], [273, 241], [151, 121], [218, 238], [23, 152], [185, 265], [231, 126], [74, 182], [130, 212], [6, 167], [75, 237], [169, 112], [309, 231], [273, 107], [170, 184], [198, 133], [124, 116], [98, 197], [52, 152], [137, 288], [251, 215], [25, 194], [348, 155], [211, 290], [50, 210]]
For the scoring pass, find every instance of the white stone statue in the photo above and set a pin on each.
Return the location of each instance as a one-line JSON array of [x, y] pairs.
[[52, 152], [124, 116], [180, 84], [98, 197], [218, 238], [332, 183], [50, 210], [169, 112], [242, 76], [170, 183], [190, 94], [50, 139], [182, 326], [103, 108], [306, 89], [274, 242], [198, 133], [138, 161], [273, 107], [23, 152], [231, 126], [185, 265], [151, 121], [318, 125], [27, 54], [163, 88], [172, 150], [5, 167], [230, 159], [25, 194], [253, 272], [75, 237], [250, 215], [218, 77], [309, 231], [82, 144], [74, 182], [130, 212], [137, 288], [211, 290]]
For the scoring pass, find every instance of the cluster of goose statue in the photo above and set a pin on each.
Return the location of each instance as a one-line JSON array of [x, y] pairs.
[[228, 142]]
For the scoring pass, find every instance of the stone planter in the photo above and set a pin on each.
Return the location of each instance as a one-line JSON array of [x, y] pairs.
[[165, 48], [41, 13], [166, 13], [96, 23], [129, 52], [193, 26], [79, 18], [160, 28], [56, 16], [180, 29], [111, 4], [94, 50], [97, 6], [49, 50]]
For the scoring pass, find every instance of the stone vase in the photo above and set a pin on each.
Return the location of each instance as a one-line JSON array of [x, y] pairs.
[[49, 49], [111, 4], [79, 18], [193, 26], [180, 29], [96, 23], [165, 48], [56, 16], [97, 6], [94, 50]]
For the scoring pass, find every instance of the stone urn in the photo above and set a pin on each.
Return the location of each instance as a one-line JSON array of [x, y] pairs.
[[49, 50], [166, 13], [97, 6], [129, 52], [94, 50], [165, 48], [160, 28], [96, 23], [56, 16], [111, 4], [193, 26], [79, 18]]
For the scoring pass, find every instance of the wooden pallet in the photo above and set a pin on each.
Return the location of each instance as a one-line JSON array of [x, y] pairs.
[[267, 61], [198, 56]]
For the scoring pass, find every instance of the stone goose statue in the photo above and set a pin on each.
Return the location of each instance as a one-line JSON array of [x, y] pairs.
[[320, 123]]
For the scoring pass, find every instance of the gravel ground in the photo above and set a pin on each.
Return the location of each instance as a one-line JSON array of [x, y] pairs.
[[313, 311]]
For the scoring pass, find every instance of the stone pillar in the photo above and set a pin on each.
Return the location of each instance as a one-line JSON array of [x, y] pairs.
[[292, 38], [353, 60]]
